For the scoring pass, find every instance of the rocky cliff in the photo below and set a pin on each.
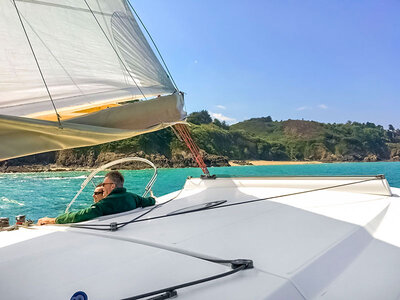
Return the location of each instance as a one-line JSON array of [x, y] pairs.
[[77, 160]]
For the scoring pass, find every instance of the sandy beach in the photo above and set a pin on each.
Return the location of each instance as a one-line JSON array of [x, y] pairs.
[[234, 163]]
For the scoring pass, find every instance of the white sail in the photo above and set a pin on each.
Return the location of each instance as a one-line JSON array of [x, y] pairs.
[[89, 54], [73, 49]]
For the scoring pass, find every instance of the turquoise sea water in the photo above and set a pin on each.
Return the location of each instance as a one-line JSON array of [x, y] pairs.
[[47, 194]]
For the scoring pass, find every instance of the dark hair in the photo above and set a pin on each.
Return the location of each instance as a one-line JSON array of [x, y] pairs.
[[116, 177]]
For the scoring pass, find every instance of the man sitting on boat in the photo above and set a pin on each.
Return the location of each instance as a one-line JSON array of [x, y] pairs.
[[115, 200]]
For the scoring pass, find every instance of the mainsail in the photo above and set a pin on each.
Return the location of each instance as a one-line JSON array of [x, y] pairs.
[[91, 54]]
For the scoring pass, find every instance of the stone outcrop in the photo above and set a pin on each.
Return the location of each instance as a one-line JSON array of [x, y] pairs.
[[395, 154], [370, 158]]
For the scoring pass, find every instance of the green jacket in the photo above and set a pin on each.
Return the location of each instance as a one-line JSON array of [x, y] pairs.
[[119, 200]]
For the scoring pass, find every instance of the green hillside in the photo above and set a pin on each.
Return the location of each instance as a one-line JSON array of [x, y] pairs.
[[309, 140], [253, 139]]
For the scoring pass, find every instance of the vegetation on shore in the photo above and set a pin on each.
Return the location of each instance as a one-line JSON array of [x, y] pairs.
[[297, 140], [253, 139]]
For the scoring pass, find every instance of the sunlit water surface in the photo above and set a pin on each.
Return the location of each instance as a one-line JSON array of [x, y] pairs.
[[47, 194]]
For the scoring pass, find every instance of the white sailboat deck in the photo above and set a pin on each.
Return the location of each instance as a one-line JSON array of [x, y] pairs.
[[307, 241]]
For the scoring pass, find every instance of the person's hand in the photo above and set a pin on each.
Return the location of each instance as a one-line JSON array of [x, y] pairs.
[[46, 220]]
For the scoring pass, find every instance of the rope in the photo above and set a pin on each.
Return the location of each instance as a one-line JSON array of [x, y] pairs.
[[115, 50], [37, 64], [194, 149], [155, 46]]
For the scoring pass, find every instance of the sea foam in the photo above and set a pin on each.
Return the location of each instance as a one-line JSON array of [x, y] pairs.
[[67, 177], [10, 201]]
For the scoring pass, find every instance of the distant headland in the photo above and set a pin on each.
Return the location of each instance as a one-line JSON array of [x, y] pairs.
[[251, 142]]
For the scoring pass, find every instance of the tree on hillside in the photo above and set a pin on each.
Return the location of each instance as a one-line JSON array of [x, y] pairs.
[[393, 134], [199, 117], [262, 119], [222, 124], [267, 119]]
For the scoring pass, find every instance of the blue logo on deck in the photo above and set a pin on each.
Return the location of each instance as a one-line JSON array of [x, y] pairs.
[[79, 296]]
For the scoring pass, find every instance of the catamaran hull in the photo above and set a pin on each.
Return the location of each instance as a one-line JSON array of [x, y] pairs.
[[308, 238]]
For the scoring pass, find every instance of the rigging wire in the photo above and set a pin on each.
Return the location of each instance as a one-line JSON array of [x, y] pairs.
[[155, 46], [115, 226], [38, 65], [115, 50]]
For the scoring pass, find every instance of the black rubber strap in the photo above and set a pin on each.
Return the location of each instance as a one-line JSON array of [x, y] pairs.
[[237, 266]]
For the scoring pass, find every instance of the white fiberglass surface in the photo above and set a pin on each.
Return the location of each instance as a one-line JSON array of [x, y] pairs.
[[310, 240], [65, 262], [388, 230], [302, 222], [13, 237], [374, 274]]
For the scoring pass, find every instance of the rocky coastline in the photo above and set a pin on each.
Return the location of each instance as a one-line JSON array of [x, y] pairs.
[[70, 160], [255, 141]]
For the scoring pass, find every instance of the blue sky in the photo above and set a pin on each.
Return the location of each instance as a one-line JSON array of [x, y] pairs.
[[328, 61]]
